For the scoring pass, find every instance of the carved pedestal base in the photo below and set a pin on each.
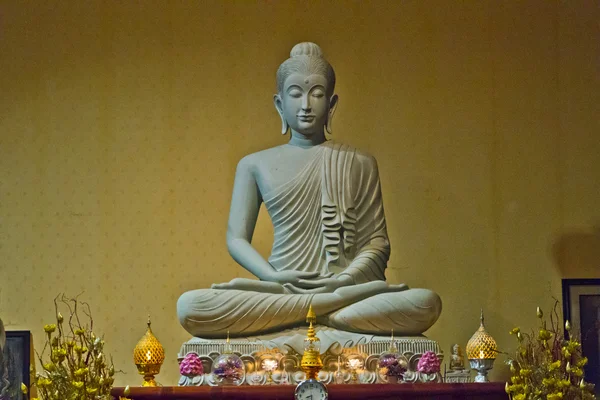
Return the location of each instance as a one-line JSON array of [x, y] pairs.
[[286, 349], [463, 376]]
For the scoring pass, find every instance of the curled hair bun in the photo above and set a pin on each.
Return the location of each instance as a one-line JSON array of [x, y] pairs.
[[306, 49]]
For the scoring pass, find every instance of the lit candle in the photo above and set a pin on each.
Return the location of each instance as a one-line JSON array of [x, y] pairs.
[[269, 365], [481, 354], [354, 363]]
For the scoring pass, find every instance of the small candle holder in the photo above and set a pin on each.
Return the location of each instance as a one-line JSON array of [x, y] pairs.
[[354, 363], [339, 374], [482, 366], [148, 356], [481, 350], [269, 365]]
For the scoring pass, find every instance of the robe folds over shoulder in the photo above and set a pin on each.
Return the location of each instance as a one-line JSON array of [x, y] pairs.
[[329, 217]]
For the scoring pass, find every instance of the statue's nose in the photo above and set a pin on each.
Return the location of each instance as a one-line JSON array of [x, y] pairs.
[[305, 103]]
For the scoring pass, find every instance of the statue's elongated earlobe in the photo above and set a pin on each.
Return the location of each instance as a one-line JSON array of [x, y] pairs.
[[284, 126], [332, 107], [279, 108]]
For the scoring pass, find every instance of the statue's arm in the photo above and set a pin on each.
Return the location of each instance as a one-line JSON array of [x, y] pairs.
[[245, 205]]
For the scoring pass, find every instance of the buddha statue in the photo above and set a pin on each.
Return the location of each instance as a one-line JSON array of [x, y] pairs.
[[457, 361], [330, 245]]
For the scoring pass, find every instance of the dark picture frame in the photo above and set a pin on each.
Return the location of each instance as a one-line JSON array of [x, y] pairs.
[[16, 360], [581, 307]]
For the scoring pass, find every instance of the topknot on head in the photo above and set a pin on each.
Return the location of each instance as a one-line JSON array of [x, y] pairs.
[[306, 58], [306, 49]]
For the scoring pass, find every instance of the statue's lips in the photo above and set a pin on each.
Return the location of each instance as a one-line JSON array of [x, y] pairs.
[[306, 118]]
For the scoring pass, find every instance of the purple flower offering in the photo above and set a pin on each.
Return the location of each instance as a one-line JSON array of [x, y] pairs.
[[391, 366], [229, 368], [429, 363], [191, 365]]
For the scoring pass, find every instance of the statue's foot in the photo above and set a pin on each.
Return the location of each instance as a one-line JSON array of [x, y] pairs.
[[408, 312]]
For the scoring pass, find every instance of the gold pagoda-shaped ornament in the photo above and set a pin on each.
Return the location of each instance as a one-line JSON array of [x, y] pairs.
[[481, 351], [311, 362], [148, 356]]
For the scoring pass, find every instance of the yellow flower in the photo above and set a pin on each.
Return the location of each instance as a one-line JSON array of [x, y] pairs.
[[70, 343], [544, 334], [59, 354], [555, 365], [578, 372], [563, 383], [80, 372], [24, 389], [49, 367], [78, 385], [523, 352], [583, 362], [555, 396], [91, 390], [41, 382], [79, 331], [525, 372], [514, 331], [573, 346], [548, 381], [519, 397], [49, 328]]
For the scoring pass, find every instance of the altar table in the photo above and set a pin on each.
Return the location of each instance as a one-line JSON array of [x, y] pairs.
[[429, 391]]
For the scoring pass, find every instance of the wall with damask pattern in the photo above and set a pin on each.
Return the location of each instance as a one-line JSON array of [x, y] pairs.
[[121, 124]]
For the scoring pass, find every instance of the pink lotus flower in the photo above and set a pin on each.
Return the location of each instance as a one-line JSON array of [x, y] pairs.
[[191, 365], [429, 363]]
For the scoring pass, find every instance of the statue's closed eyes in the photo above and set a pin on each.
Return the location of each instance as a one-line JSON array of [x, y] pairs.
[[330, 240]]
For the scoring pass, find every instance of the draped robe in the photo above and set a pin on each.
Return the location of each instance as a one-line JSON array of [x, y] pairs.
[[327, 218]]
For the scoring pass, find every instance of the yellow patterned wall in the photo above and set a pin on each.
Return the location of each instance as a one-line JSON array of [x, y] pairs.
[[121, 124]]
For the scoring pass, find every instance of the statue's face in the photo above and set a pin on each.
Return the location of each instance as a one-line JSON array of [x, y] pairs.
[[304, 103]]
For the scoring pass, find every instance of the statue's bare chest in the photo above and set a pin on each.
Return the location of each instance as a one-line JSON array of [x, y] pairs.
[[276, 168]]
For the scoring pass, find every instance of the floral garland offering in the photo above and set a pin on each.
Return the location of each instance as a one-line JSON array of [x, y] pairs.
[[429, 363], [547, 365], [73, 361]]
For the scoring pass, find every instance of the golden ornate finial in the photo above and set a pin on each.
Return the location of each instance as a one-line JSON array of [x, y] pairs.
[[228, 349], [393, 348], [481, 345], [148, 356], [311, 317], [311, 359]]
